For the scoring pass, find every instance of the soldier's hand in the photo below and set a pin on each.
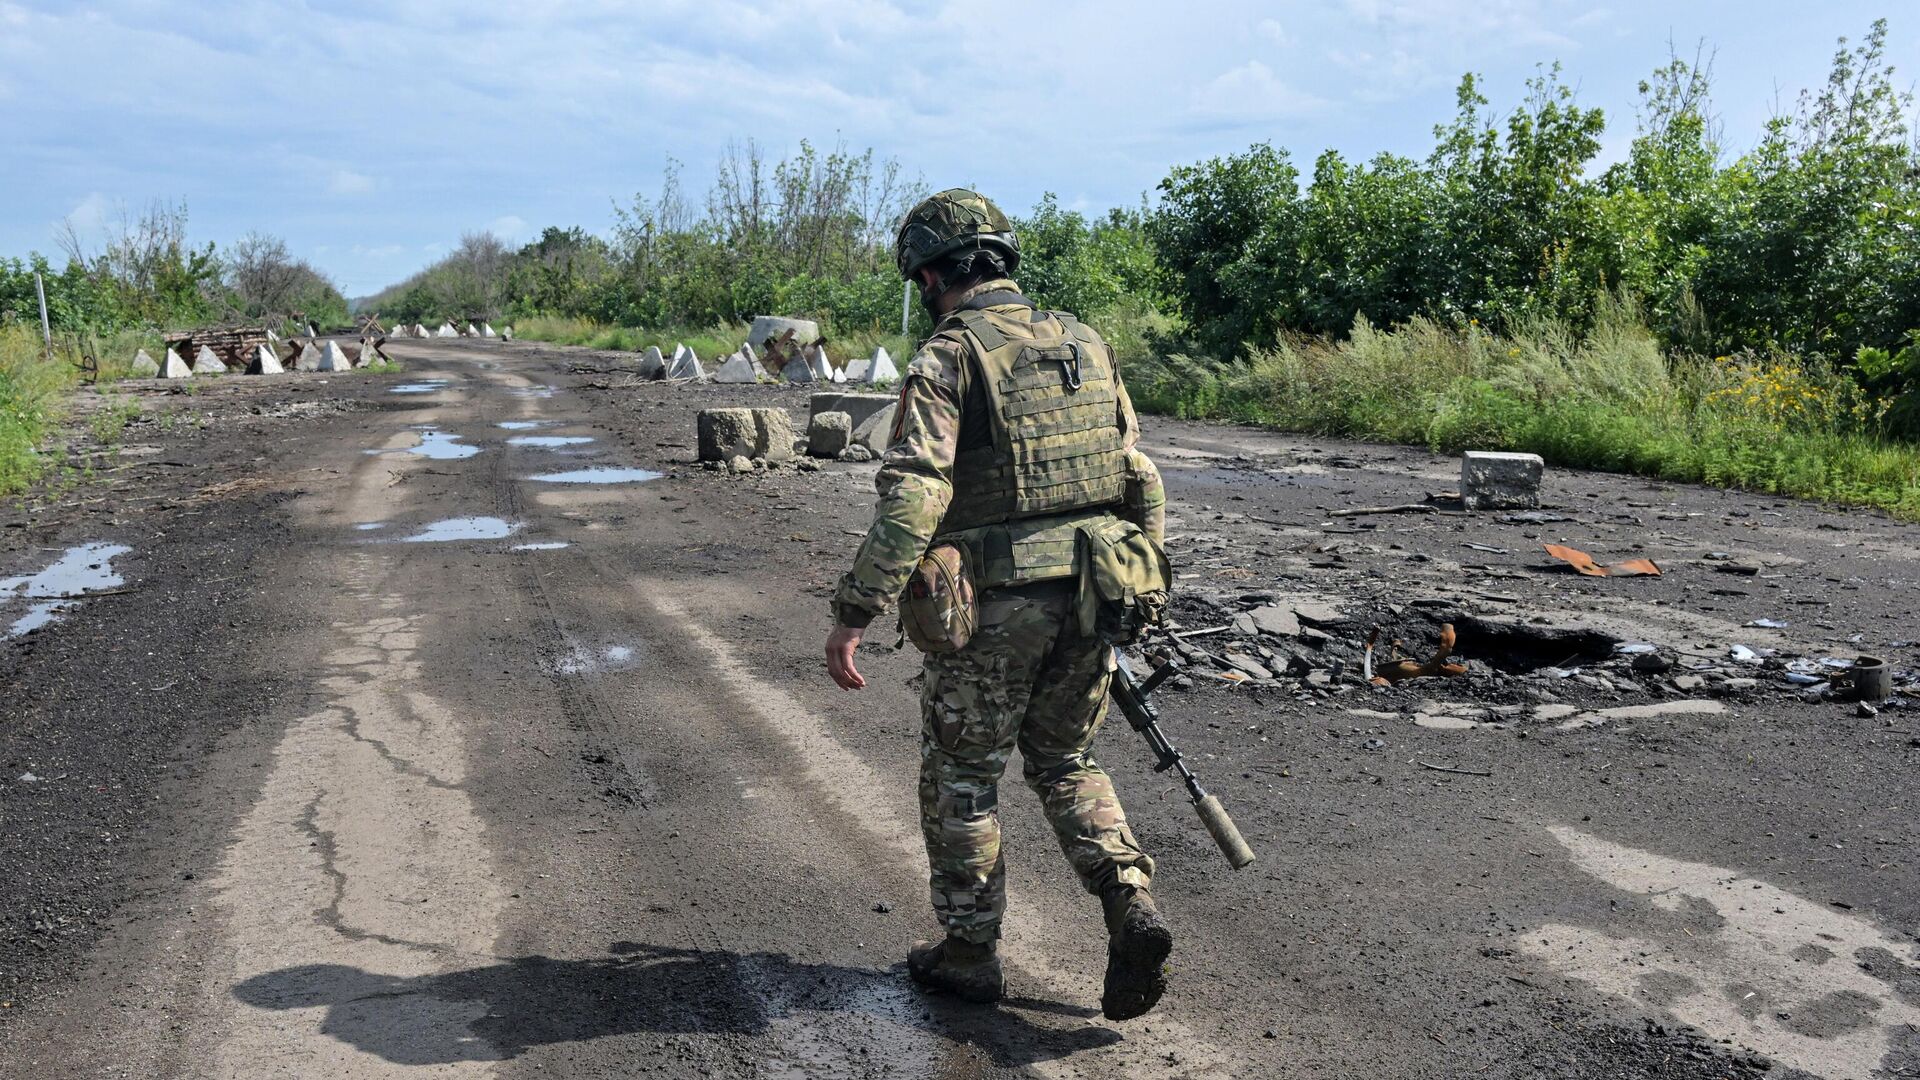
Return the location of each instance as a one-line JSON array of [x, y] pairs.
[[840, 646]]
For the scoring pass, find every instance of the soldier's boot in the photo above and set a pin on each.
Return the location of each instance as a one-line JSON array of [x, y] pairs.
[[966, 970], [1138, 942]]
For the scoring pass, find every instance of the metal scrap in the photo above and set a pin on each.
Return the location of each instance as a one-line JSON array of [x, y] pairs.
[[1399, 670]]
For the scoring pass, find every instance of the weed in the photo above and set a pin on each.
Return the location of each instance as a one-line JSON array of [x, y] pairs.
[[111, 419]]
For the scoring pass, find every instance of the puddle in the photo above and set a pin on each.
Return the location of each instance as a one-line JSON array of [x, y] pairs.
[[549, 442], [543, 545], [532, 391], [78, 571], [464, 528], [522, 425], [432, 386], [1738, 957], [579, 661], [438, 445], [369, 526], [598, 476]]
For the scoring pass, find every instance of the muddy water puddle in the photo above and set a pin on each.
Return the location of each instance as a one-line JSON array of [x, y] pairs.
[[549, 442], [77, 572], [424, 386], [522, 425], [435, 444], [607, 475], [543, 545], [464, 528]]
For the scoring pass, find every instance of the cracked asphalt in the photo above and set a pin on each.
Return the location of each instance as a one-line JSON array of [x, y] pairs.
[[392, 759]]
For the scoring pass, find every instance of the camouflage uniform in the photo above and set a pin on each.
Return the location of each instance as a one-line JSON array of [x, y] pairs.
[[1028, 678]]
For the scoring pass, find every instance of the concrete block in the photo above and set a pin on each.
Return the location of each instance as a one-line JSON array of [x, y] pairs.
[[207, 362], [652, 364], [265, 362], [446, 330], [174, 367], [686, 365], [725, 434], [876, 431], [856, 369], [773, 436], [858, 406], [334, 358], [307, 359], [799, 371], [506, 333], [737, 369], [1497, 481], [486, 329], [880, 369], [828, 434], [805, 331], [419, 331], [144, 366]]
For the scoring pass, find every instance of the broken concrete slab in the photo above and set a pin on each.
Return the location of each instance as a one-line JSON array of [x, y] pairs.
[[207, 362], [737, 369], [334, 358], [876, 431], [1500, 481], [724, 434], [805, 331], [1274, 619], [880, 369], [828, 434], [858, 406], [265, 362], [174, 367], [773, 434], [144, 366]]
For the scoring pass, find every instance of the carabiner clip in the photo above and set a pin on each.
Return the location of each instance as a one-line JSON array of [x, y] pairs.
[[1072, 370]]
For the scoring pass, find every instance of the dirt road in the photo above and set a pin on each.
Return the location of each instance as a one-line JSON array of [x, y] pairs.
[[457, 723]]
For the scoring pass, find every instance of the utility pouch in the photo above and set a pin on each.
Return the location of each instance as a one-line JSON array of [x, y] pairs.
[[1125, 581], [938, 612]]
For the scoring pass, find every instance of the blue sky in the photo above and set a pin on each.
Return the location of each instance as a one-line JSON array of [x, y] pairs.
[[371, 135]]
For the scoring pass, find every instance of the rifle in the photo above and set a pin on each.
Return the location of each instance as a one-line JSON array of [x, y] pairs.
[[1136, 702]]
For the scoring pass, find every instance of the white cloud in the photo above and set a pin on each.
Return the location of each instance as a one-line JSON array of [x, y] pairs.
[[348, 182], [1252, 92], [90, 214], [1273, 32], [508, 227]]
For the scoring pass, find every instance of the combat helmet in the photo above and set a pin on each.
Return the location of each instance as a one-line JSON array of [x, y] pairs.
[[951, 222]]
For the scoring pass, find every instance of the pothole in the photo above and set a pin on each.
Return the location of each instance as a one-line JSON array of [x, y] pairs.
[[77, 572], [608, 475], [522, 425], [426, 386], [464, 528], [438, 445], [549, 442]]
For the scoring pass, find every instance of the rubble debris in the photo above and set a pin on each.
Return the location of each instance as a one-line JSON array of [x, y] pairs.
[[828, 434], [1871, 679], [876, 431], [1403, 508], [174, 367], [144, 366], [1532, 517], [1500, 481], [773, 434], [1398, 670], [739, 368], [1768, 624], [1583, 563]]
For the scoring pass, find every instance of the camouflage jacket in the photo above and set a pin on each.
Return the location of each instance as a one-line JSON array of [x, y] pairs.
[[915, 480]]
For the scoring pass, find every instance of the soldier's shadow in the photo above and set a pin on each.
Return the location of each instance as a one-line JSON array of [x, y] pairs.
[[499, 1010]]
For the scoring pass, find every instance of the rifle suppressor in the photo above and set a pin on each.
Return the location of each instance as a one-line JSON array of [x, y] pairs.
[[1137, 704]]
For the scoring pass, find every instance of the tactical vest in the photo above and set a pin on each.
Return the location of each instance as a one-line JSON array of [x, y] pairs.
[[1055, 459]]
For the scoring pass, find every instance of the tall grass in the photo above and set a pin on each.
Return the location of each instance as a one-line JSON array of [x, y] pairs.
[[1610, 400], [33, 390]]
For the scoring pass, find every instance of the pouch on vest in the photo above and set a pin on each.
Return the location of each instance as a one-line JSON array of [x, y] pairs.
[[1125, 581], [938, 612]]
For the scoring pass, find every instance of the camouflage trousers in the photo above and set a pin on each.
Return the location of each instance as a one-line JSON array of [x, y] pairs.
[[1027, 679]]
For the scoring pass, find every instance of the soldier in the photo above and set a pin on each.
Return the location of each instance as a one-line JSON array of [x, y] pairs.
[[1013, 433]]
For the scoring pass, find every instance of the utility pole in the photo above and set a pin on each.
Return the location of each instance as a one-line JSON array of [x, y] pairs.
[[906, 306], [46, 328]]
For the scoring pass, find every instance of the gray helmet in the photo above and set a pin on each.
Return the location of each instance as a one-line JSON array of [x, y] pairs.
[[949, 223]]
